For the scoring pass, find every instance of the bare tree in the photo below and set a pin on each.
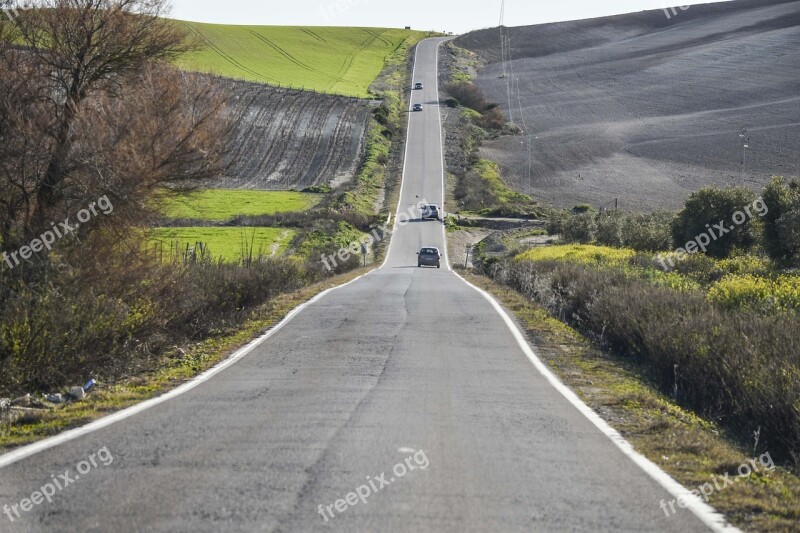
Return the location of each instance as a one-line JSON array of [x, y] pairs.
[[89, 46], [90, 105]]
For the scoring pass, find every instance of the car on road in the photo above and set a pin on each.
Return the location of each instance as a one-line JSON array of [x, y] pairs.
[[431, 212], [418, 86], [429, 256], [417, 107]]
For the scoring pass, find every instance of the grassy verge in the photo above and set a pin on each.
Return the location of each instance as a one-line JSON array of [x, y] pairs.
[[180, 367], [690, 449]]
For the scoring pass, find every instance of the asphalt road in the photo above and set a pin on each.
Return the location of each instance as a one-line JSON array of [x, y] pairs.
[[405, 366]]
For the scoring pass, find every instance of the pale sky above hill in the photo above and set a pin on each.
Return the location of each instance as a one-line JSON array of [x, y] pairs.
[[458, 16]]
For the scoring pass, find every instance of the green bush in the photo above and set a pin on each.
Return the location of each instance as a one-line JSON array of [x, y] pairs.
[[789, 233], [648, 232], [609, 228], [782, 222], [710, 206], [579, 228]]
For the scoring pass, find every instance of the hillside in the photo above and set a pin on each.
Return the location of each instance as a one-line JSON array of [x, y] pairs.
[[341, 61], [289, 139], [646, 109]]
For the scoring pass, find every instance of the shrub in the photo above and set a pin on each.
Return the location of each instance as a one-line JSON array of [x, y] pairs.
[[760, 294], [648, 232], [452, 103], [789, 233], [609, 228], [493, 119], [579, 228], [781, 222], [710, 206], [468, 94], [581, 209]]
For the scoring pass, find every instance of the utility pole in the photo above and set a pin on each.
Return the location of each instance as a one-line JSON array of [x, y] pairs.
[[466, 261], [745, 139]]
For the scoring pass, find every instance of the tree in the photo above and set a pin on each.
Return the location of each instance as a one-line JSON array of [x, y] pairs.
[[90, 106], [782, 198], [706, 209]]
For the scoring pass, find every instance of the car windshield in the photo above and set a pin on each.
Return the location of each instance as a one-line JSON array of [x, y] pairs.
[[428, 251]]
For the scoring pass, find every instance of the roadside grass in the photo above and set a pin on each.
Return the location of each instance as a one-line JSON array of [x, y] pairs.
[[690, 449], [225, 204], [231, 245], [489, 172], [180, 367], [342, 61]]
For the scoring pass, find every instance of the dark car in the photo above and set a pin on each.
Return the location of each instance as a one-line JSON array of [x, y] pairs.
[[431, 212], [417, 107], [429, 256], [418, 86]]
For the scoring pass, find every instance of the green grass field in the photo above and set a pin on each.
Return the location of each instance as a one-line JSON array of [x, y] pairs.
[[224, 204], [331, 60], [230, 244]]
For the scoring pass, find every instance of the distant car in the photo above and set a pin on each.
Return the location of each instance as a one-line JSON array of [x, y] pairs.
[[417, 107], [429, 256], [431, 212], [418, 86]]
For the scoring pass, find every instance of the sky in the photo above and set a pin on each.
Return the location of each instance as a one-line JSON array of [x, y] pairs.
[[457, 16]]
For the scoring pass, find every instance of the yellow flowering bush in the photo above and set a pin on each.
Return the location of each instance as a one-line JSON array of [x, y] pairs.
[[752, 292]]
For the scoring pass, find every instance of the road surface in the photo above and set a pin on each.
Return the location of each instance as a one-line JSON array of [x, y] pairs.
[[405, 366]]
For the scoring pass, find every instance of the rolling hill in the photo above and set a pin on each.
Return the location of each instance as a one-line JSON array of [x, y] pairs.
[[646, 108], [342, 61]]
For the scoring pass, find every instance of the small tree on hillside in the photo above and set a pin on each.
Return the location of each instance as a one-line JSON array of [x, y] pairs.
[[783, 200], [711, 206]]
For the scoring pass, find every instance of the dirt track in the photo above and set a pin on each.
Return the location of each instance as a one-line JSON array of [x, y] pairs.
[[646, 109], [289, 139]]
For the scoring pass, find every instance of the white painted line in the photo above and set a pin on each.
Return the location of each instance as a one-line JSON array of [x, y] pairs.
[[38, 447], [704, 512], [441, 144]]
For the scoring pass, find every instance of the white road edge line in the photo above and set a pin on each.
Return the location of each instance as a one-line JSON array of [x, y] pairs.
[[704, 512], [70, 435]]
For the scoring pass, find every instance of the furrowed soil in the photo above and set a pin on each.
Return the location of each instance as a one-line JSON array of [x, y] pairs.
[[646, 108], [288, 139]]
